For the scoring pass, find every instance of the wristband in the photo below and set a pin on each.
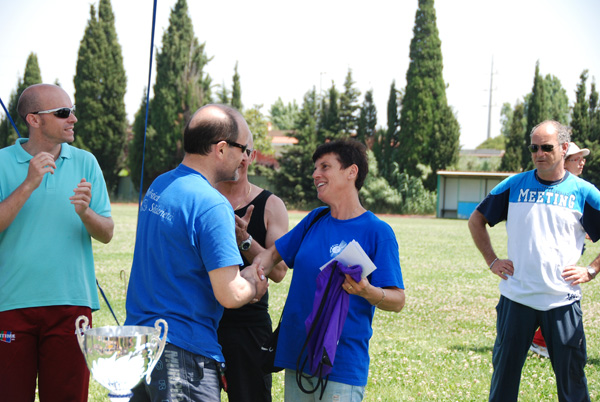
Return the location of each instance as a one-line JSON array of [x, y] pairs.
[[493, 262]]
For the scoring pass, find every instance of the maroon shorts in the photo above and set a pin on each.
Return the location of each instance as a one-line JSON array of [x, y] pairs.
[[41, 342]]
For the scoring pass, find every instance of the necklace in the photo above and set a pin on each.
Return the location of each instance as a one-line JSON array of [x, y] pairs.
[[245, 197]]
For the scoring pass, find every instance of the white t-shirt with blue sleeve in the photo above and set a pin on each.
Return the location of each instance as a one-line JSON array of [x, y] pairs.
[[546, 223]]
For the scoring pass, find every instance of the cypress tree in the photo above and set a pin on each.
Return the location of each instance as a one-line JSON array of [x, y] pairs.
[[236, 91], [390, 137], [330, 116], [31, 76], [223, 94], [506, 116], [536, 113], [585, 122], [594, 115], [181, 87], [367, 121], [349, 107], [429, 131], [580, 121], [557, 101], [293, 180], [100, 86], [135, 147], [284, 117], [511, 161]]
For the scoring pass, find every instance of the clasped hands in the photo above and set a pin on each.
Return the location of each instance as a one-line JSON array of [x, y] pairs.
[[255, 274]]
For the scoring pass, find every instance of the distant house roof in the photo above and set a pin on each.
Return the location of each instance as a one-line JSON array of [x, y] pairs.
[[283, 140], [483, 153], [451, 173], [282, 137]]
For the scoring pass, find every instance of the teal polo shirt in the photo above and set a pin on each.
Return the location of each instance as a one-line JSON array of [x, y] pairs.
[[46, 256]]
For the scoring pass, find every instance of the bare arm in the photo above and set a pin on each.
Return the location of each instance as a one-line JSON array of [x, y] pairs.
[[269, 258], [99, 227], [578, 275], [232, 290], [481, 237], [276, 222], [39, 165], [389, 298]]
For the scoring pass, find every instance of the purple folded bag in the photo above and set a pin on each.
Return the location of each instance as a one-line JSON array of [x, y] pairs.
[[329, 324]]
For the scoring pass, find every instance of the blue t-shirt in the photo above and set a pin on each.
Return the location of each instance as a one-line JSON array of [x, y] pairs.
[[46, 256], [546, 223], [323, 241], [186, 229]]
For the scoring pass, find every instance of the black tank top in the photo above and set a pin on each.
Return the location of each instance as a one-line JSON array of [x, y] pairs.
[[257, 314]]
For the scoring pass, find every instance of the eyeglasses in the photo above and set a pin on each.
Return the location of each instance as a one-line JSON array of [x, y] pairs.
[[576, 160], [545, 148], [244, 148], [60, 112]]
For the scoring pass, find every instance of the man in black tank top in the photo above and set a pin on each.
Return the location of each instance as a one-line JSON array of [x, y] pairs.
[[261, 218]]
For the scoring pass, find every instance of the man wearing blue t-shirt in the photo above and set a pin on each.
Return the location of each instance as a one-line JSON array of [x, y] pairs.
[[548, 212], [186, 262], [53, 200]]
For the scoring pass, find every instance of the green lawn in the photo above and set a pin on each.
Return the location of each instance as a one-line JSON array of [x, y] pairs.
[[439, 348]]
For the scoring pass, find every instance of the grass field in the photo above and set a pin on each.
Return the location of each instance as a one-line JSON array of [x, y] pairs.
[[439, 348]]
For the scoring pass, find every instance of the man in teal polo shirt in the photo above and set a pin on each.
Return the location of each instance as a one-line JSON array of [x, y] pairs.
[[53, 200]]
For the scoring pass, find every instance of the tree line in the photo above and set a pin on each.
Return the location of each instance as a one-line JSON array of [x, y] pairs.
[[421, 135], [548, 101]]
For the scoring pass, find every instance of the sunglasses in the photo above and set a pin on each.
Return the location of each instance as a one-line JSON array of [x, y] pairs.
[[545, 148], [60, 112], [576, 160], [244, 148]]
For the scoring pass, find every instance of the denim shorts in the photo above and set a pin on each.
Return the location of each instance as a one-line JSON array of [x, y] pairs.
[[334, 391], [180, 375]]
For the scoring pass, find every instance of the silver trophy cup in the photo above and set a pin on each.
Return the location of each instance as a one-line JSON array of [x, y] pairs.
[[119, 357]]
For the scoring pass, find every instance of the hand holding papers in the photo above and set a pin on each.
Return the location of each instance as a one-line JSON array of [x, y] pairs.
[[353, 254]]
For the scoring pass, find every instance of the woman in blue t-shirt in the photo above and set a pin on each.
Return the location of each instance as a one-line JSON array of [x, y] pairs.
[[340, 170]]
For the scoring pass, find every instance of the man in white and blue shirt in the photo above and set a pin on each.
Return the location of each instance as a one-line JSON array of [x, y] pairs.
[[548, 212]]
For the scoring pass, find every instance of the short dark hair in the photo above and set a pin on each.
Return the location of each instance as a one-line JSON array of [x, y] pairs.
[[205, 129], [348, 152]]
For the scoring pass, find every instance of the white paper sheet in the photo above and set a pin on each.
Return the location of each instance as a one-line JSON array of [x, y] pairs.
[[353, 254]]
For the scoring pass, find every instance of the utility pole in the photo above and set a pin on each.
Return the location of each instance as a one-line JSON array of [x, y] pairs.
[[489, 127]]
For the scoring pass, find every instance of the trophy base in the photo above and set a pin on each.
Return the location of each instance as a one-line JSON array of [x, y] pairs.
[[120, 397]]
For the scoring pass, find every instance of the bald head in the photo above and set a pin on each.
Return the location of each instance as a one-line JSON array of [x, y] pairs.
[[41, 97], [552, 127], [210, 124]]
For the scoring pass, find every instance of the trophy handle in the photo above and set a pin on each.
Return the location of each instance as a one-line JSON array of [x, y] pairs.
[[79, 330], [161, 347]]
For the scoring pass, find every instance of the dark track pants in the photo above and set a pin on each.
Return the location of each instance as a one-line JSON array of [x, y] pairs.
[[562, 328], [241, 348]]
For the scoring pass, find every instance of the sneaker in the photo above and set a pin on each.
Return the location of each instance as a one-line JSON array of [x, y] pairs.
[[540, 350]]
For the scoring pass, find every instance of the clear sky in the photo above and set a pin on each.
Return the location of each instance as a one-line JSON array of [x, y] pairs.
[[285, 48]]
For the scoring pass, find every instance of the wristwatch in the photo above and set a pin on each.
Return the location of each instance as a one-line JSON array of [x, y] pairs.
[[245, 245], [591, 271]]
